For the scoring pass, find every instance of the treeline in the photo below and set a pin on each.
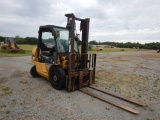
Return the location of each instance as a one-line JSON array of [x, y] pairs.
[[33, 41], [2, 39], [153, 45], [27, 40]]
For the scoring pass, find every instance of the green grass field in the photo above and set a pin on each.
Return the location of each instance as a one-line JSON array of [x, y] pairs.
[[28, 50], [108, 50]]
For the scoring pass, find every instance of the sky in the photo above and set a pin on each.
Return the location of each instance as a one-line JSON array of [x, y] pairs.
[[110, 20]]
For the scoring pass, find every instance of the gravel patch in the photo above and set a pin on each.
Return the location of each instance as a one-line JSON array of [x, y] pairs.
[[131, 74]]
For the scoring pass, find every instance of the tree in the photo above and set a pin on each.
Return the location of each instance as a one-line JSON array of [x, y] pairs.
[[19, 40], [94, 42], [17, 36], [2, 39], [30, 40]]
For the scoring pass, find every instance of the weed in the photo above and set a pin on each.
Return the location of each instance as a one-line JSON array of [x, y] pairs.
[[13, 102], [106, 88], [97, 77], [96, 82], [49, 89], [151, 109], [8, 111], [3, 106], [148, 119], [24, 82], [107, 108], [103, 84], [145, 108], [154, 97], [140, 95], [8, 93], [5, 88]]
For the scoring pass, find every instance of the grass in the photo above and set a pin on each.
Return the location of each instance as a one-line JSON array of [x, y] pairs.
[[3, 106], [27, 48], [8, 111], [5, 88], [108, 50], [107, 108], [24, 82]]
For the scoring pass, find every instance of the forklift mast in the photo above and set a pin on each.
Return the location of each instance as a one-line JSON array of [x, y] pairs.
[[82, 73], [84, 27]]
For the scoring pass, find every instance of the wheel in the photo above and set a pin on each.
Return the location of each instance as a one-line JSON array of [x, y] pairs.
[[58, 78], [34, 72]]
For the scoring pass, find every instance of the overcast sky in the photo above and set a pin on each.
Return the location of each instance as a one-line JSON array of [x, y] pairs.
[[110, 20]]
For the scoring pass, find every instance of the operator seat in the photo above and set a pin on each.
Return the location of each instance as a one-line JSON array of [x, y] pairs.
[[48, 55]]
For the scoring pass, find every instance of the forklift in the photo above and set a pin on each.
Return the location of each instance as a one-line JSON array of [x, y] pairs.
[[58, 58]]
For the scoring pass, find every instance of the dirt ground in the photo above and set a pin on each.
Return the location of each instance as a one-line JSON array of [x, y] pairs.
[[132, 74]]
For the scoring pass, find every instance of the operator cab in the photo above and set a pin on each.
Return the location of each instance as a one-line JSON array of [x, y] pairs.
[[9, 40], [54, 43]]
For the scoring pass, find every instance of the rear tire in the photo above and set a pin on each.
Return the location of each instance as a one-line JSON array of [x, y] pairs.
[[58, 78], [34, 72]]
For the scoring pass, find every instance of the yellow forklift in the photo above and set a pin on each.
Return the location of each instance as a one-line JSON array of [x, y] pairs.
[[58, 58]]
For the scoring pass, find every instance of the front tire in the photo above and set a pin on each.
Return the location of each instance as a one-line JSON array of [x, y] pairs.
[[58, 78], [34, 72]]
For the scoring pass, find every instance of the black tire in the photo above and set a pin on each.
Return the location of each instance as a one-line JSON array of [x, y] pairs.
[[58, 78], [34, 72]]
